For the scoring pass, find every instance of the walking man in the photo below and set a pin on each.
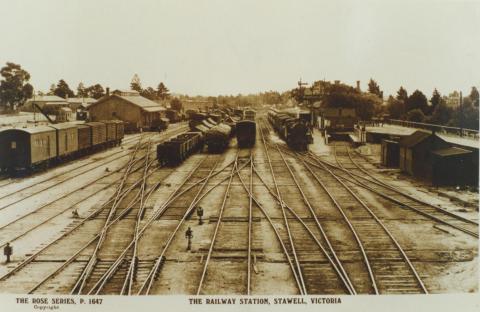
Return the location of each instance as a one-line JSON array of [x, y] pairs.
[[200, 215], [7, 251], [189, 236]]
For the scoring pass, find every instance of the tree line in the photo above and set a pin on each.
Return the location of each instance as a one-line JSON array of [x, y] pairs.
[[15, 89]]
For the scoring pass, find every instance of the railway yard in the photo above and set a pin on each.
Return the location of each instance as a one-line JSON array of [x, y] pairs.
[[327, 220]]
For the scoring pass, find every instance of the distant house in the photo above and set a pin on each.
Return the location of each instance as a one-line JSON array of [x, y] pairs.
[[80, 103], [49, 103], [135, 110]]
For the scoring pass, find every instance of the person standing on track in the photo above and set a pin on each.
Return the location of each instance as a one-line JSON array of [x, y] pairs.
[[200, 215], [8, 251], [189, 236]]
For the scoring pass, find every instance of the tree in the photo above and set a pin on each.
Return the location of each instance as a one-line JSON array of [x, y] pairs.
[[474, 96], [402, 95], [395, 107], [81, 90], [442, 113], [136, 84], [14, 87], [63, 90], [96, 91], [435, 100], [465, 115], [51, 91], [417, 101], [149, 93], [416, 115], [366, 105], [374, 88], [162, 91], [176, 104]]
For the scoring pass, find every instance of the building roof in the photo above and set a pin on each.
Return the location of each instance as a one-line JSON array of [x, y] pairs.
[[154, 109], [81, 100], [451, 151], [137, 100], [46, 98], [415, 138]]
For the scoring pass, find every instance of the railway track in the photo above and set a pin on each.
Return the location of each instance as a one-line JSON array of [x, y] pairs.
[[21, 226], [107, 274], [388, 267], [314, 243], [71, 174], [352, 172], [79, 233]]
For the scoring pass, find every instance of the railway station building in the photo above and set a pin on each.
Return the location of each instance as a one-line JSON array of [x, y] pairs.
[[130, 107]]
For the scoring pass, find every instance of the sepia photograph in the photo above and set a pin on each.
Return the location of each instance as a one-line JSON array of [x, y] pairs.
[[239, 155]]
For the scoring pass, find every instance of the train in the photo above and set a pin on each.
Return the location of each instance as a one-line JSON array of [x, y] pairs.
[[246, 131], [294, 131], [179, 148], [37, 147]]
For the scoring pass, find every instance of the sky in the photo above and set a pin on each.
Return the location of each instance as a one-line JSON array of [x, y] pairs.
[[202, 47]]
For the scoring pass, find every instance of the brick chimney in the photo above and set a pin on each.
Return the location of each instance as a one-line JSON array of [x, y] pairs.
[[107, 91], [358, 85]]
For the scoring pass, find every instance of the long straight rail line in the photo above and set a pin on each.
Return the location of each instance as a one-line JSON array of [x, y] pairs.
[[298, 274], [220, 215], [338, 266]]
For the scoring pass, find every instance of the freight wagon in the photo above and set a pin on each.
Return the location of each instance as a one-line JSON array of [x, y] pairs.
[[179, 148], [218, 138], [246, 131]]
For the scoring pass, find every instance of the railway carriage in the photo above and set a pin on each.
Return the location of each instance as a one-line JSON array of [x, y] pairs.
[[27, 147]]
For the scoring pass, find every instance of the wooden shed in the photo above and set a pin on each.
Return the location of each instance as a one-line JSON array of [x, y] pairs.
[[390, 153], [135, 110], [416, 153], [454, 166]]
